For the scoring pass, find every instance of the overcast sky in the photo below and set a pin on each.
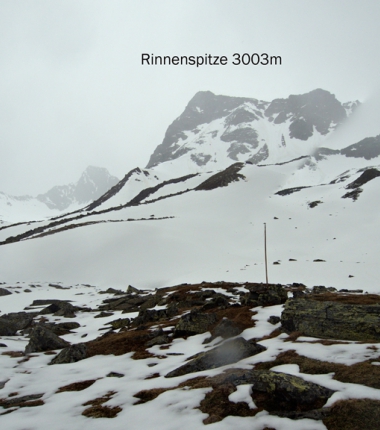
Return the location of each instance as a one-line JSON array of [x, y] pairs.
[[73, 91]]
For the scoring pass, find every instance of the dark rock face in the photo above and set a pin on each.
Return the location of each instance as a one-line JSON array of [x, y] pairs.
[[365, 177], [333, 320], [204, 107], [71, 354], [194, 323], [229, 352], [275, 391], [222, 179], [367, 148], [42, 339], [11, 323], [317, 108], [261, 155]]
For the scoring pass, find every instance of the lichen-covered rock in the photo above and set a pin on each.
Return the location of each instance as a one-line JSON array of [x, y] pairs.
[[278, 392], [275, 391], [328, 319], [71, 354], [229, 352], [11, 323], [194, 323], [264, 295], [42, 339]]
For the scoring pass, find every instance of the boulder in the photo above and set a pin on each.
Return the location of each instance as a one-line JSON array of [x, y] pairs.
[[133, 290], [193, 323], [275, 391], [62, 328], [158, 340], [333, 320], [4, 292], [112, 291], [225, 329], [150, 315], [42, 339], [127, 303], [264, 295], [60, 309], [273, 319], [278, 392], [71, 354], [119, 323], [229, 352], [11, 323]]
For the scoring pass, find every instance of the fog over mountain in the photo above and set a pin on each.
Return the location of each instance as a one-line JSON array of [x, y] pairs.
[[93, 183], [250, 160]]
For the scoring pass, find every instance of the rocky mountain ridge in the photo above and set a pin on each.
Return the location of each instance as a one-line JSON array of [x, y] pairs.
[[213, 129], [92, 184]]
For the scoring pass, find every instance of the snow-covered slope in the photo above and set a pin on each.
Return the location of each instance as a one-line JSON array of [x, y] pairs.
[[181, 222], [215, 234]]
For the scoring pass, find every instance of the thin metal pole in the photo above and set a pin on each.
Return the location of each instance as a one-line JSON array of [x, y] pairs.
[[265, 251]]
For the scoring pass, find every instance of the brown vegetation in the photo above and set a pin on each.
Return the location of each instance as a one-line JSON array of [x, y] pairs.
[[363, 373], [358, 414], [347, 299], [97, 410], [76, 386]]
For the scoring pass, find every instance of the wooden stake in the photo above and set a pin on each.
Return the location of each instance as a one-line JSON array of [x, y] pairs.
[[265, 251]]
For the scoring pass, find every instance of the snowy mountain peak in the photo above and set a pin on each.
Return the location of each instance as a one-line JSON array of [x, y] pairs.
[[221, 129], [93, 182]]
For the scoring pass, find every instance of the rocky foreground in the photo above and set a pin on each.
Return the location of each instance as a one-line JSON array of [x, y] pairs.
[[268, 353]]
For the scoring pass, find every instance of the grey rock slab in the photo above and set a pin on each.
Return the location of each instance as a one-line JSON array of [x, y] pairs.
[[71, 354], [11, 323], [229, 352], [42, 339], [276, 391], [194, 323], [332, 320]]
